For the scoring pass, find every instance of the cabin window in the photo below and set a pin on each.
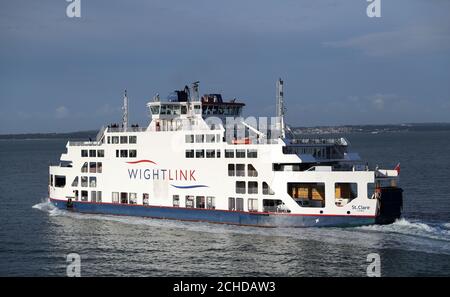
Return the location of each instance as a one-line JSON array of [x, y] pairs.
[[176, 201], [60, 181], [274, 205], [84, 168], [252, 187], [183, 109], [240, 204], [51, 180], [109, 139], [345, 192], [123, 197], [115, 197], [124, 153], [133, 154], [197, 109], [200, 202], [252, 154], [189, 153], [252, 204], [217, 137], [210, 202], [308, 194], [84, 195], [132, 139], [218, 154], [92, 182], [163, 109], [99, 167], [240, 153], [189, 138], [200, 138], [200, 153], [266, 189], [123, 139], [145, 199], [231, 203], [115, 139], [99, 196], [84, 181], [240, 187], [210, 138], [231, 171], [210, 153], [117, 153], [92, 167], [189, 201], [251, 171], [93, 196], [240, 169], [133, 198], [92, 153], [229, 153], [100, 153], [84, 153], [75, 182], [75, 194]]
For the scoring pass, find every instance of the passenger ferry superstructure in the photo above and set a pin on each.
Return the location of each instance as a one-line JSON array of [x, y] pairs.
[[188, 164]]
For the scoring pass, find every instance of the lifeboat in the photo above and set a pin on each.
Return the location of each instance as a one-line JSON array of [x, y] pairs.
[[241, 141]]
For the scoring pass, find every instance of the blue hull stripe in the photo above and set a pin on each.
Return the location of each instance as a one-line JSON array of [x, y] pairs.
[[190, 187], [215, 216]]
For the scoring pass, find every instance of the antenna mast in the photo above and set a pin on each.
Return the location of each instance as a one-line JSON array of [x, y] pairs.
[[125, 111], [280, 107]]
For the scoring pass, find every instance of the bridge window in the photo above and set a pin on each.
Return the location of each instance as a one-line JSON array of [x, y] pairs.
[[133, 154], [60, 181], [231, 171], [133, 139], [200, 202], [210, 202], [133, 198], [75, 182], [183, 109], [210, 153], [240, 187], [84, 181], [92, 182], [240, 153], [308, 194], [252, 187], [154, 109], [345, 192], [123, 139], [229, 153], [145, 199], [200, 153], [189, 138], [115, 197], [252, 204], [251, 171], [84, 153], [92, 153], [252, 153], [176, 201], [240, 169], [189, 153], [266, 189], [189, 201], [123, 197], [84, 195]]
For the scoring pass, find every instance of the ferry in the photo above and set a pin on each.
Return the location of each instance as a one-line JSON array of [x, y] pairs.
[[200, 160]]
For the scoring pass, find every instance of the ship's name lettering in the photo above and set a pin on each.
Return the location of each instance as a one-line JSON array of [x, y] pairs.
[[162, 174]]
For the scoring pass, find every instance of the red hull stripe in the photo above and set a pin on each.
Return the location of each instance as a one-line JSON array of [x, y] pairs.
[[224, 210]]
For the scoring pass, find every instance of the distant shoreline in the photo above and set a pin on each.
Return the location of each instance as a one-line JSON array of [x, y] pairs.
[[319, 130]]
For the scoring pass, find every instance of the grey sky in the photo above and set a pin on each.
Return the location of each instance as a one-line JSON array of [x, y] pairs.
[[339, 66]]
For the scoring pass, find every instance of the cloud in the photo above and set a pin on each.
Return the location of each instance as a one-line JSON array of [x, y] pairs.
[[405, 40], [61, 112]]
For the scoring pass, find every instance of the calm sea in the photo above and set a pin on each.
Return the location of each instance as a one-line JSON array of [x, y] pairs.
[[35, 238]]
